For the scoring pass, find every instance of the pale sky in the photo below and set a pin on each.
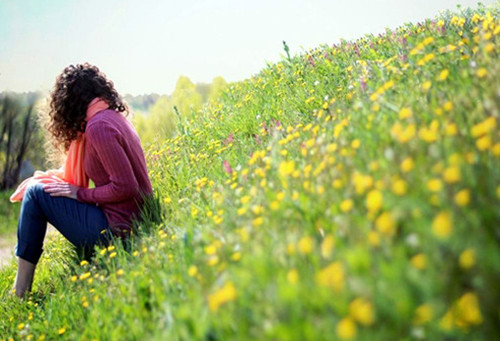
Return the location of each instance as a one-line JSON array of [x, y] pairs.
[[145, 45]]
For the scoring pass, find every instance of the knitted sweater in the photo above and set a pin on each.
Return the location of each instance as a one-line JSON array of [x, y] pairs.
[[115, 162]]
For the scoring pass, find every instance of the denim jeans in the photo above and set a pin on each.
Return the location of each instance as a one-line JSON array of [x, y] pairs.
[[84, 225]]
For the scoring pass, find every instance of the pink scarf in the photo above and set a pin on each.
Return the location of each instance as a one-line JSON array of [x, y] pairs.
[[72, 171]]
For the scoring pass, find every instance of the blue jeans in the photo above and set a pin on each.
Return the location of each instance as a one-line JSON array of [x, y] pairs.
[[84, 225]]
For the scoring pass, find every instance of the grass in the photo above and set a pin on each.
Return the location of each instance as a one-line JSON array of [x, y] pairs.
[[8, 224], [348, 193]]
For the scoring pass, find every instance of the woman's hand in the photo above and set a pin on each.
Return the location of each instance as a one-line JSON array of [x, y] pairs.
[[61, 189]]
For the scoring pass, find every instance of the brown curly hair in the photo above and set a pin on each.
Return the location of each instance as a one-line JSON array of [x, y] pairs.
[[75, 88]]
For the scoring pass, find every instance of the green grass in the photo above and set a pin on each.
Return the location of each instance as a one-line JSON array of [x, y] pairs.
[[362, 202], [8, 223]]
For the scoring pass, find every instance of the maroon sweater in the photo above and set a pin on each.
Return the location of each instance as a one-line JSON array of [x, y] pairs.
[[115, 162]]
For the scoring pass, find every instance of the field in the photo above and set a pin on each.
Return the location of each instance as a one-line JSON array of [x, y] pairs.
[[351, 192]]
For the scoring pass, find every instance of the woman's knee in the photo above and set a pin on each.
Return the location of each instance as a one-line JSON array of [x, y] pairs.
[[34, 191]]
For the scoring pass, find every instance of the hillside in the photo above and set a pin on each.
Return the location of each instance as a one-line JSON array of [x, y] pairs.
[[351, 192]]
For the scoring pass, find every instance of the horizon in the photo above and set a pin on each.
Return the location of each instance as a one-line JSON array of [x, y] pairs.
[[194, 39]]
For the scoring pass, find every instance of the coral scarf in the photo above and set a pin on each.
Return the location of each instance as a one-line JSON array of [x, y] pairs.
[[72, 171]]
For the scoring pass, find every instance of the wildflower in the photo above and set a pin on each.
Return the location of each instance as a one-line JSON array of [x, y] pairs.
[[236, 256], [385, 224], [84, 276], [226, 293], [374, 200], [483, 143], [399, 187], [448, 106], [462, 198], [258, 221], [467, 259], [426, 86], [61, 331], [192, 270], [331, 276], [119, 272], [423, 314], [112, 255], [83, 263], [361, 310], [293, 276], [442, 225], [419, 261], [346, 205], [210, 250], [327, 246], [444, 75], [481, 72], [305, 245], [407, 165], [451, 174], [346, 329], [373, 238], [434, 185], [405, 113], [20, 326], [286, 168], [74, 278], [356, 144]]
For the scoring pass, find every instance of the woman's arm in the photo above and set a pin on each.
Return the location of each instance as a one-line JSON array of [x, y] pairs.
[[107, 143]]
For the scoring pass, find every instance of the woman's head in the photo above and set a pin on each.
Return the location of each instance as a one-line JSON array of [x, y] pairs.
[[75, 88]]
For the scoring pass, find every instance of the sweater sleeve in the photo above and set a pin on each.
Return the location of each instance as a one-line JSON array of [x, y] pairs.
[[107, 143]]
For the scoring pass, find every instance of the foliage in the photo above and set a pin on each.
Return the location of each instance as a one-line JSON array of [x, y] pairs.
[[161, 121], [351, 192]]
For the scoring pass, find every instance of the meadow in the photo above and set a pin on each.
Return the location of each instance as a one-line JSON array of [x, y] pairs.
[[350, 192]]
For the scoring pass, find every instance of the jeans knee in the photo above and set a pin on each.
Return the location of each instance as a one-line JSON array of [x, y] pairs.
[[34, 191]]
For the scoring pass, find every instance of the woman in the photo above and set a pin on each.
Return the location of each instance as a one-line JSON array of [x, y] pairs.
[[87, 121]]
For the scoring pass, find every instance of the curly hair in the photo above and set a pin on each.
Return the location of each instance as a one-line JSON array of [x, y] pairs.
[[75, 88]]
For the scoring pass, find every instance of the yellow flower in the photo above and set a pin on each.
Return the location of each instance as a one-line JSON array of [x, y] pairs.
[[286, 168], [119, 272], [483, 143], [462, 198], [448, 106], [305, 245], [84, 276], [112, 255], [467, 259], [467, 312], [405, 113], [451, 174], [192, 270], [83, 263], [346, 329], [258, 221], [245, 199], [481, 72], [407, 165], [61, 331], [444, 75], [346, 205], [442, 225], [226, 293], [419, 261], [434, 185], [373, 238], [385, 224], [20, 326], [331, 276], [423, 314], [399, 187], [210, 250], [426, 85], [374, 200], [356, 144], [292, 276], [361, 310], [327, 246], [498, 192]]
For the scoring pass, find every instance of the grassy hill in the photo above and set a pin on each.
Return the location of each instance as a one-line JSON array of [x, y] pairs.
[[348, 193]]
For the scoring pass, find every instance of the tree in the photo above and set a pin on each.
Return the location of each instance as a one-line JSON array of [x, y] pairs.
[[17, 126]]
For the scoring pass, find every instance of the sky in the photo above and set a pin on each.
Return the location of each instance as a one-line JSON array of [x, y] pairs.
[[143, 46]]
